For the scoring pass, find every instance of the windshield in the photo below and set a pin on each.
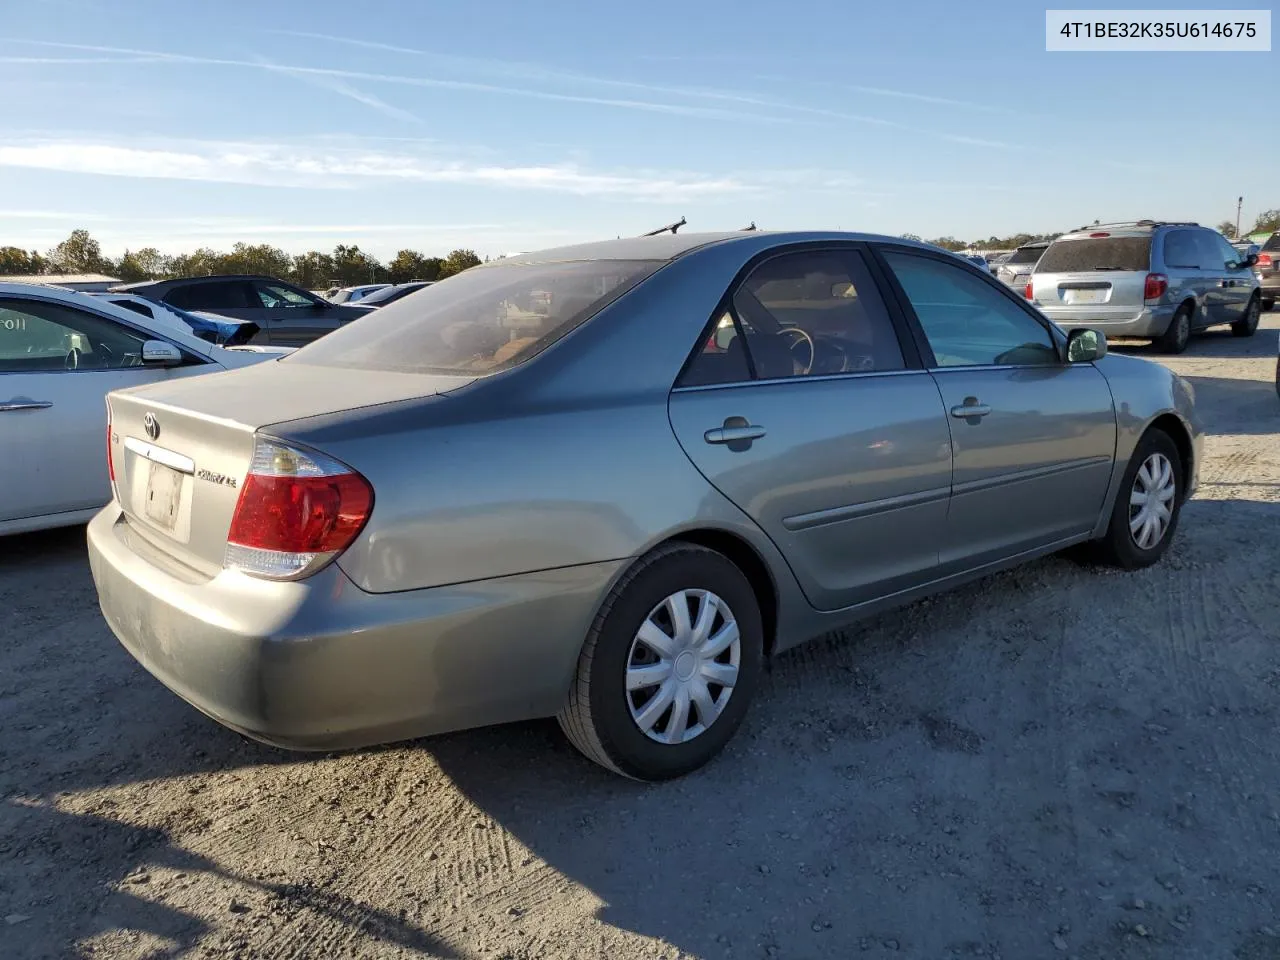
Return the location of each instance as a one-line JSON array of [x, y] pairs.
[[1096, 253], [480, 321]]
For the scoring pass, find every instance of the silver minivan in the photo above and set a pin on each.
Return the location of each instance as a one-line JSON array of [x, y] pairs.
[[1155, 280]]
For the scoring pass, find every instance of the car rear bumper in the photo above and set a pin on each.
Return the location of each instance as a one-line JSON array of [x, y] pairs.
[[321, 665], [1150, 321], [1270, 286]]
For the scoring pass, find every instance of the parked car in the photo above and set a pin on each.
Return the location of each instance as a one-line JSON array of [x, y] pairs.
[[1015, 269], [286, 315], [60, 353], [1267, 270], [1156, 280], [356, 294], [605, 482], [224, 331], [391, 294]]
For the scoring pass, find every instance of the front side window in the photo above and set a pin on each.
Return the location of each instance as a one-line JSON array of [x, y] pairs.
[[967, 321], [810, 313], [274, 296], [38, 336], [480, 321]]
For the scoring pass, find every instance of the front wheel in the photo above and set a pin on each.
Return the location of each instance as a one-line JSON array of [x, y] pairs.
[[1147, 505], [1176, 338], [1247, 325], [669, 667]]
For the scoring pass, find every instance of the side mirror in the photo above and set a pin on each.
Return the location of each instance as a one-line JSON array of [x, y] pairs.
[[161, 353], [1085, 345], [1250, 260]]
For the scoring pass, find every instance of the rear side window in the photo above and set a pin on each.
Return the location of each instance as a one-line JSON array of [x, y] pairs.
[[229, 295], [1181, 249], [1096, 253], [1273, 243], [480, 321]]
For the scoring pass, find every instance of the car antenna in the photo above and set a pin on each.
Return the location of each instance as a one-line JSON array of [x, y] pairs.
[[669, 228], [747, 229]]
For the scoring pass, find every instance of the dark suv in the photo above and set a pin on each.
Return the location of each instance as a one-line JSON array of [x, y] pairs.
[[286, 315]]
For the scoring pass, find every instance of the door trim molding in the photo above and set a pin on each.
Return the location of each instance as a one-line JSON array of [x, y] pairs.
[[806, 521]]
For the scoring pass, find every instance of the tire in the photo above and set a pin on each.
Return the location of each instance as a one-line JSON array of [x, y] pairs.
[[1120, 546], [602, 717], [1248, 325], [1176, 338]]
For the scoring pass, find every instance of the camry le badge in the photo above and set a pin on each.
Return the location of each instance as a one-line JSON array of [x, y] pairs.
[[151, 425]]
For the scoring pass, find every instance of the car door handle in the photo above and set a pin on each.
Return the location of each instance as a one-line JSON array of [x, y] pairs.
[[9, 405], [734, 432], [963, 411]]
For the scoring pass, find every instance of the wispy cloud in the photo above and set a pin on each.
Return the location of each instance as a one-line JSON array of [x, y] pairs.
[[342, 88], [650, 106], [292, 165]]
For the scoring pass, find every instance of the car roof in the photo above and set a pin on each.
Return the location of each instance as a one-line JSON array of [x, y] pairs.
[[670, 246], [1127, 228], [178, 281]]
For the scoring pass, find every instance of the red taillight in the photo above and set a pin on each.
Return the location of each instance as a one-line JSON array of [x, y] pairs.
[[1096, 235], [1028, 293], [1155, 287], [297, 511], [1264, 259], [111, 464]]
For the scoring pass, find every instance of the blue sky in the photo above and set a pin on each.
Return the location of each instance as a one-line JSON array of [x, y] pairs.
[[515, 125]]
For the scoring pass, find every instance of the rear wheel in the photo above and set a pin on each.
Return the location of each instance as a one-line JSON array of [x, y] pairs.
[[669, 667], [1147, 506], [1247, 325], [1176, 338]]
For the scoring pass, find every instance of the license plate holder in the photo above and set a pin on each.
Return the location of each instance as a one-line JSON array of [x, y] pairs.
[[163, 496]]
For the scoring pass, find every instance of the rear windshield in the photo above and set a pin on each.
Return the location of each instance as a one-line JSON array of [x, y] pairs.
[[1273, 243], [1100, 253], [480, 321], [1025, 255]]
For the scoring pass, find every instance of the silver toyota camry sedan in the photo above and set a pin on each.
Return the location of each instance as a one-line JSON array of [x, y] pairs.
[[606, 482]]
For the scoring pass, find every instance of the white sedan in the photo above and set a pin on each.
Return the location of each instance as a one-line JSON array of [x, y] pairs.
[[61, 352]]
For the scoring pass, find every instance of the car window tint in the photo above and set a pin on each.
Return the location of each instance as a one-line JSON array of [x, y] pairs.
[[273, 296], [135, 307], [1086, 254], [1272, 243], [1024, 255], [39, 336], [967, 321], [722, 358], [1182, 250], [480, 321], [224, 295], [1217, 252]]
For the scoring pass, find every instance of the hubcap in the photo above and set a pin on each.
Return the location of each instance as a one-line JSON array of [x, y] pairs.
[[683, 666], [1151, 501]]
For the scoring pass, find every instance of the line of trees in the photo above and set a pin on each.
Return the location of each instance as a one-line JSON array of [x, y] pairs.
[[313, 270], [1267, 220]]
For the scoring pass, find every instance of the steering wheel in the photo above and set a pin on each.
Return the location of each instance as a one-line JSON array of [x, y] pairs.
[[802, 337], [72, 361]]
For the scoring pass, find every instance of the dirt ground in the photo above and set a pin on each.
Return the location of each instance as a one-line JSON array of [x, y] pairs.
[[1054, 762]]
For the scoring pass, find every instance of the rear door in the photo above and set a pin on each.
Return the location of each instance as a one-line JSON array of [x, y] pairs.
[[1033, 437], [229, 297], [57, 364], [808, 410]]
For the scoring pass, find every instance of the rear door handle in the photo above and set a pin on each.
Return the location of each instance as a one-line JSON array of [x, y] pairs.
[[963, 411], [734, 433], [8, 405]]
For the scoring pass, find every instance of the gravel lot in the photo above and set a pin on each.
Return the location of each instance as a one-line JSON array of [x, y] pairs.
[[1057, 761]]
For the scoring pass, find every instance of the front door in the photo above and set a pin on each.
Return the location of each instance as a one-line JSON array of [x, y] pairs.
[[292, 317], [1033, 437], [804, 410], [1236, 283]]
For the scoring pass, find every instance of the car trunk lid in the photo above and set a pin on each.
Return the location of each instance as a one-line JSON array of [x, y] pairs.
[[1102, 275], [180, 450]]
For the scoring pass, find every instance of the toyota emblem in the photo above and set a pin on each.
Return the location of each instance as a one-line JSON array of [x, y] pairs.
[[151, 425]]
